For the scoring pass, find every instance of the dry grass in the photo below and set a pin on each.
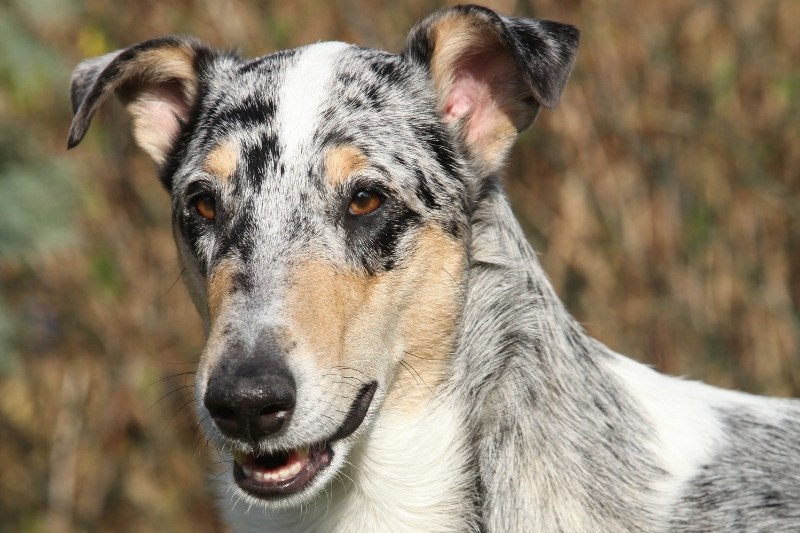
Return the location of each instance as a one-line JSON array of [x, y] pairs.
[[662, 195]]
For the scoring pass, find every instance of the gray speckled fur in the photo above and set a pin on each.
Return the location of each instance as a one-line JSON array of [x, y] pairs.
[[552, 424], [753, 481], [562, 434]]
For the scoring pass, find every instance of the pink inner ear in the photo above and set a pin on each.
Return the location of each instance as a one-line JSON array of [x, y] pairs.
[[163, 106], [158, 112], [479, 86], [160, 116], [465, 94]]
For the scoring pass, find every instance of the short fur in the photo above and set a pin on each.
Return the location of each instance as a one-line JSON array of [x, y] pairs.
[[421, 342]]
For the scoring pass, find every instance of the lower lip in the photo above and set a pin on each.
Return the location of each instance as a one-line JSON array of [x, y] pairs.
[[299, 471]]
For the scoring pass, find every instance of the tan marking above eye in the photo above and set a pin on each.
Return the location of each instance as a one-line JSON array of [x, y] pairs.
[[206, 206], [364, 202], [221, 161], [341, 162]]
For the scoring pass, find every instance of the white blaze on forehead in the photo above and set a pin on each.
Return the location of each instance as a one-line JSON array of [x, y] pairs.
[[306, 87]]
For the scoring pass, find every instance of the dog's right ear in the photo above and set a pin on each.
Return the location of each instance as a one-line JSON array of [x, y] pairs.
[[491, 73], [157, 82]]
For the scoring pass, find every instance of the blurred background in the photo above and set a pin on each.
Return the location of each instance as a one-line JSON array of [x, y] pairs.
[[663, 195]]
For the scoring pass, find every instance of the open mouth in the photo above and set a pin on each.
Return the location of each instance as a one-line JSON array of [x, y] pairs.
[[286, 472], [280, 473]]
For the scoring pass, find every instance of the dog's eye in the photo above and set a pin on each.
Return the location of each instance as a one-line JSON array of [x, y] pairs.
[[206, 206], [364, 202]]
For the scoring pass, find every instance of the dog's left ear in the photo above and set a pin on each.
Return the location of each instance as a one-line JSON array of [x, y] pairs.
[[156, 80], [491, 73]]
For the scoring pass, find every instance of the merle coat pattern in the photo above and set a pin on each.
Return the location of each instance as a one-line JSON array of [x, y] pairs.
[[384, 351]]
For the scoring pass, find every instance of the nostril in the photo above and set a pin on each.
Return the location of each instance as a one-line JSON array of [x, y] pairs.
[[273, 417], [221, 412], [225, 418]]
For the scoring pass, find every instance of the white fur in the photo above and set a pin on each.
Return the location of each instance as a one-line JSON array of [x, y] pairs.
[[688, 429], [304, 90]]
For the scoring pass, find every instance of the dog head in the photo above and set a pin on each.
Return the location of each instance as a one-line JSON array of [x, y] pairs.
[[321, 207]]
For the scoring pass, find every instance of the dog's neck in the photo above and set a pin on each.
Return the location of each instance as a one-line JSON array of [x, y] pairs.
[[512, 311], [545, 403]]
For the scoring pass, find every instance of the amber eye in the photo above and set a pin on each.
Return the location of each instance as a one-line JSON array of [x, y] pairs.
[[206, 206], [364, 202]]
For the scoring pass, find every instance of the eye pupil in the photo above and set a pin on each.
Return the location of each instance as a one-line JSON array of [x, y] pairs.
[[365, 202], [206, 206]]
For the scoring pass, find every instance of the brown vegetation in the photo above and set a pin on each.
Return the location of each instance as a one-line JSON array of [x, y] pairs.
[[663, 195]]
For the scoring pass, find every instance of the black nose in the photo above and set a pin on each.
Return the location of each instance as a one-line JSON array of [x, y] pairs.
[[251, 395]]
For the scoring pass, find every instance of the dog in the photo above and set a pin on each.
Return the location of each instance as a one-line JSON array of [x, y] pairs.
[[384, 351]]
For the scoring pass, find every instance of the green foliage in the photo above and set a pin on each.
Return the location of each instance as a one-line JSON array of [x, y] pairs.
[[39, 203]]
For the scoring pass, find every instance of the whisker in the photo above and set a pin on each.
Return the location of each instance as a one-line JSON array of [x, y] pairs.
[[165, 378], [180, 275], [170, 393]]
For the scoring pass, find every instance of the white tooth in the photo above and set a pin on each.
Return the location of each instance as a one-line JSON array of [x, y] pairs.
[[288, 471], [293, 469]]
